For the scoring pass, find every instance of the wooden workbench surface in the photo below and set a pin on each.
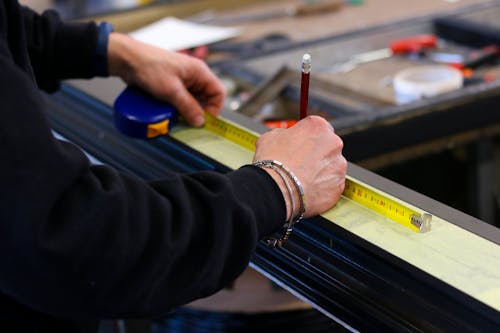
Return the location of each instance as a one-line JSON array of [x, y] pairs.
[[348, 18]]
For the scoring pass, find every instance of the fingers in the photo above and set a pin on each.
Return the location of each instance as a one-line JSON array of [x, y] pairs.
[[325, 176], [317, 124], [179, 79], [313, 151], [207, 88], [201, 91]]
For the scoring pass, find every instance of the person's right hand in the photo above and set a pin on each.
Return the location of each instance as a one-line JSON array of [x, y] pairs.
[[313, 152]]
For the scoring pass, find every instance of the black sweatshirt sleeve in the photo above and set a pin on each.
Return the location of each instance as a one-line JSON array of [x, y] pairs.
[[82, 241], [59, 50], [86, 241]]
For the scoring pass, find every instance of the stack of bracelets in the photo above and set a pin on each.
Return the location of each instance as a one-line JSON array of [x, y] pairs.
[[286, 175]]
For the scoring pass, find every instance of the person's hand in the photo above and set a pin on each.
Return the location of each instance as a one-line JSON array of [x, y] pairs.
[[181, 80], [313, 152]]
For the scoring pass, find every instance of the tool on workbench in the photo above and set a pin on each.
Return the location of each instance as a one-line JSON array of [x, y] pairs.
[[463, 57], [256, 106], [402, 46], [262, 44], [299, 9], [138, 115], [443, 57], [279, 80], [476, 58], [279, 123], [264, 105], [484, 37], [133, 116], [466, 32]]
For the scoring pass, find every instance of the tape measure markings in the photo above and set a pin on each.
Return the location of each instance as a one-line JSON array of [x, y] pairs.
[[383, 204], [368, 197], [231, 131], [138, 115]]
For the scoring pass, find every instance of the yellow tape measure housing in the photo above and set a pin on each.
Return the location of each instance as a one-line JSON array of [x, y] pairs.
[[370, 198]]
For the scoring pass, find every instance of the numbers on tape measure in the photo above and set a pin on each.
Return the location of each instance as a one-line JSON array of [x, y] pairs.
[[419, 222], [371, 199], [231, 132]]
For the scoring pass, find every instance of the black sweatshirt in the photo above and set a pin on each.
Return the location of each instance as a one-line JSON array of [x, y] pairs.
[[85, 242]]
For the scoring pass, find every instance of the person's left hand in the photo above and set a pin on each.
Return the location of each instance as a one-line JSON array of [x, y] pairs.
[[181, 80]]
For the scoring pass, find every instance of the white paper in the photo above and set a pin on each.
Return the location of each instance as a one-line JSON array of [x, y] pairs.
[[174, 34]]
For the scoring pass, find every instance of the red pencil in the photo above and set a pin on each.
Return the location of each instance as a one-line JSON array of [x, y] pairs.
[[304, 85]]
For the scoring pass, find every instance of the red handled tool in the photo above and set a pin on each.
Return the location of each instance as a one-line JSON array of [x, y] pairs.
[[401, 46], [413, 44]]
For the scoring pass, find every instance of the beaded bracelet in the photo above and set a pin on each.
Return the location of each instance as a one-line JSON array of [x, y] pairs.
[[285, 174]]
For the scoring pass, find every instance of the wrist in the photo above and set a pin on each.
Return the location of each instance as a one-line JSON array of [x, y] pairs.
[[120, 56], [117, 55], [294, 190], [284, 191]]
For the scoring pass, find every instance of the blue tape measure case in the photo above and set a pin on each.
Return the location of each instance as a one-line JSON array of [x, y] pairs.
[[139, 115]]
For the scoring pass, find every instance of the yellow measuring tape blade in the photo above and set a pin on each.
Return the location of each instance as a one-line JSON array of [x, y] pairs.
[[371, 198], [383, 204], [231, 131]]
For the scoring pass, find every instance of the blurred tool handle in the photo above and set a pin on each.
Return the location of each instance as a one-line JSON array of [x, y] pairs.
[[486, 55], [261, 44], [317, 7], [467, 32], [483, 56], [302, 8], [413, 44]]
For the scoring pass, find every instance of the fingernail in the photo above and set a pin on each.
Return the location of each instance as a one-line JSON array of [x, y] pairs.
[[198, 121]]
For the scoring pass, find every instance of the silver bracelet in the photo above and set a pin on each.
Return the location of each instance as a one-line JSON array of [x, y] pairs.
[[285, 173], [287, 227]]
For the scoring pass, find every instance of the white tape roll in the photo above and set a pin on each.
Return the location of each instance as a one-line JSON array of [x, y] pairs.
[[425, 81]]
